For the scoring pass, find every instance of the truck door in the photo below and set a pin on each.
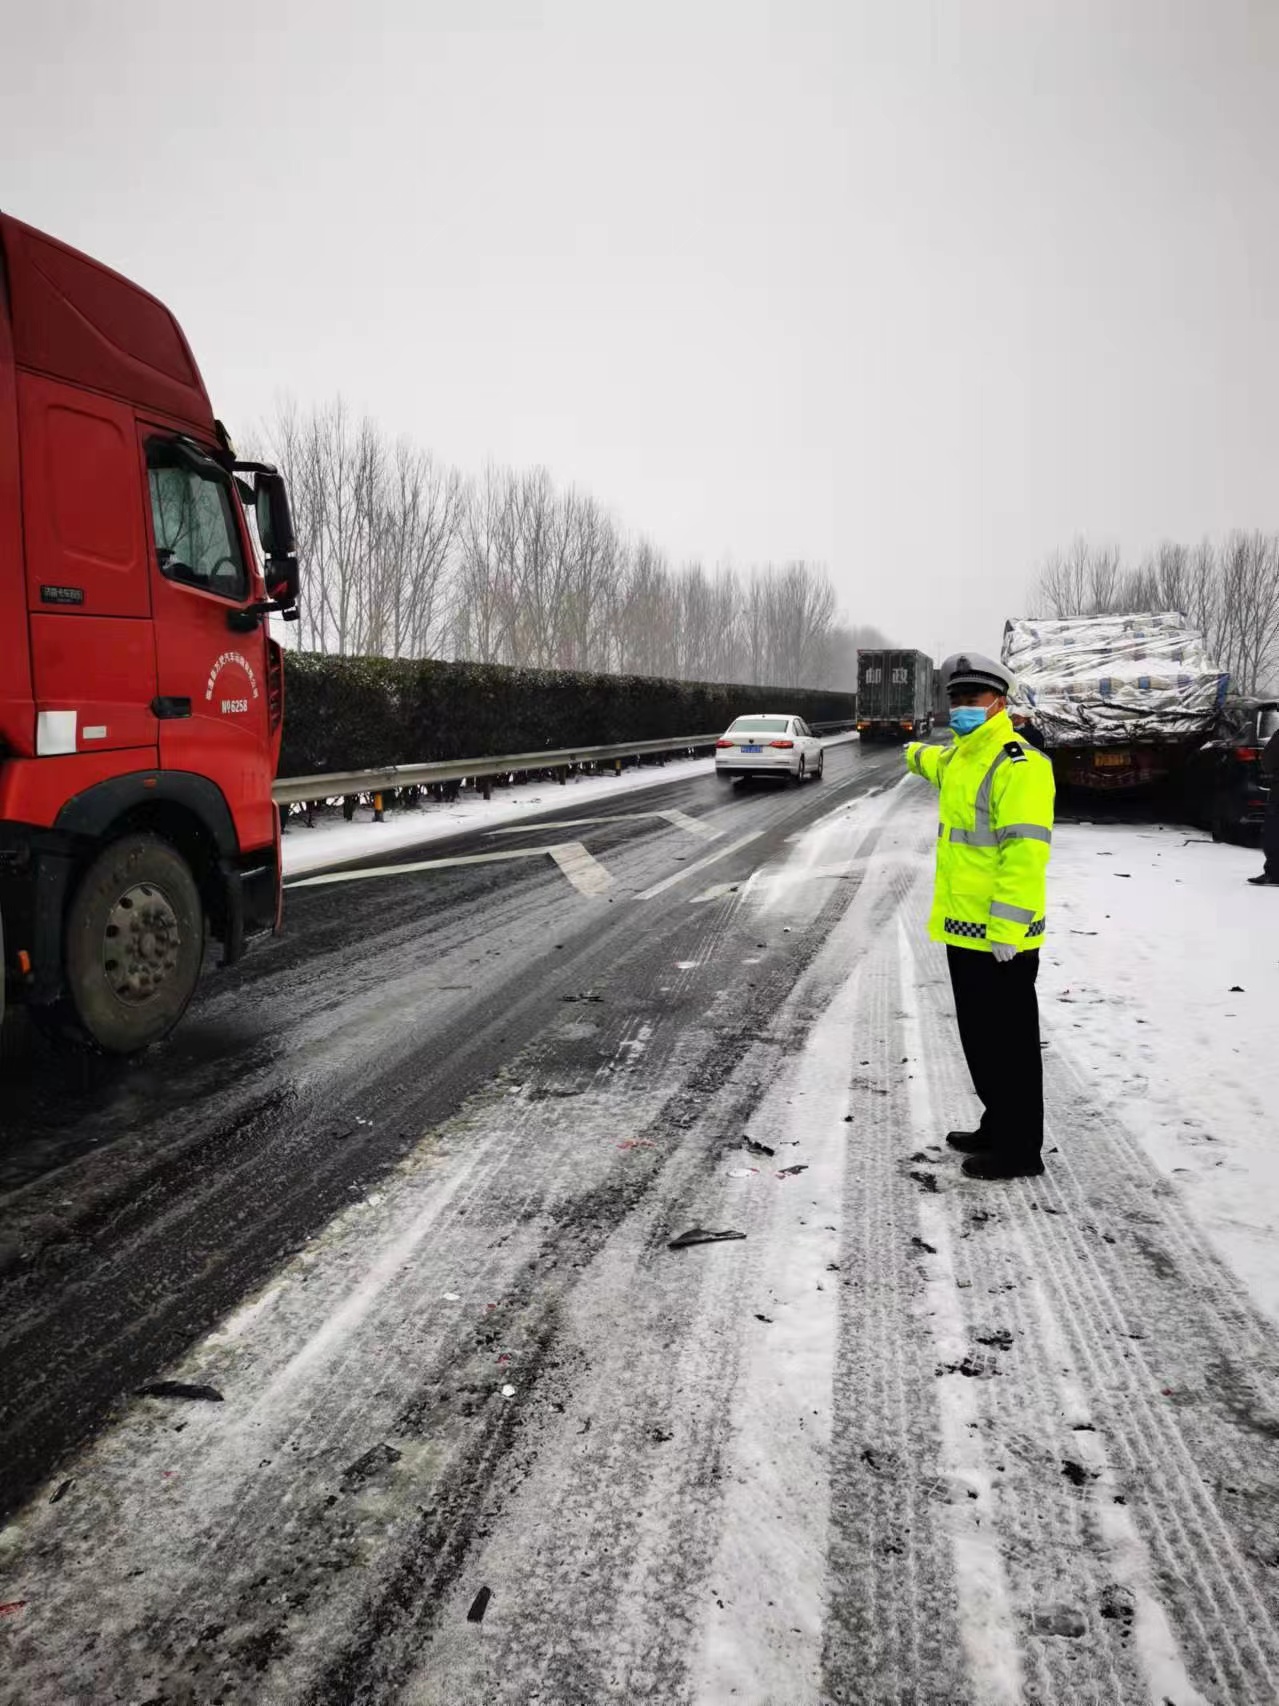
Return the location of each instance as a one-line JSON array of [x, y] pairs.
[[87, 587], [212, 680]]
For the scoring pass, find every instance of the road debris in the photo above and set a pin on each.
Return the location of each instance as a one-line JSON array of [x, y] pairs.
[[479, 1605], [743, 1172], [12, 1607], [789, 1172], [508, 1392], [919, 1244], [180, 1389], [1076, 1474], [1059, 1620], [699, 1235], [379, 1457], [927, 1180], [998, 1341], [62, 1492], [757, 1148]]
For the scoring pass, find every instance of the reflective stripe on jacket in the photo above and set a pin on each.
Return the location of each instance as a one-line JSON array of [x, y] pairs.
[[994, 837]]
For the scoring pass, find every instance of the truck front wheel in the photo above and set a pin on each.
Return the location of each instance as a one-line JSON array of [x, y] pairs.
[[134, 946]]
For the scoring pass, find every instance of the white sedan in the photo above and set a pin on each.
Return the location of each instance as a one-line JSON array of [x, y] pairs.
[[772, 745]]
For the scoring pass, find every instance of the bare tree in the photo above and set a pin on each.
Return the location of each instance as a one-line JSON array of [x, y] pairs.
[[402, 557]]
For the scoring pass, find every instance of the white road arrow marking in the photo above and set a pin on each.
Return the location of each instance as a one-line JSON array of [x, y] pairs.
[[717, 891], [584, 872], [680, 820]]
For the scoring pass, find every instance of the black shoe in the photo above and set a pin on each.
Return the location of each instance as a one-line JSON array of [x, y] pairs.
[[969, 1142], [1264, 882], [1003, 1167]]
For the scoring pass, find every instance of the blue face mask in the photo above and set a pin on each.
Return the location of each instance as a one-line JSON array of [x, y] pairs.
[[965, 718]]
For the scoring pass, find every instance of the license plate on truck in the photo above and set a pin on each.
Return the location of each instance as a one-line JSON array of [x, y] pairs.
[[1111, 760], [752, 749]]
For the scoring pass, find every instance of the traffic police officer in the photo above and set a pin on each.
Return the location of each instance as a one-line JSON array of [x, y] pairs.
[[994, 840]]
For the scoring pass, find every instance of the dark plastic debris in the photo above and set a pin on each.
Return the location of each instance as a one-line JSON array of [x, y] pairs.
[[757, 1148], [381, 1456], [62, 1492], [927, 1180], [919, 1244], [699, 1235], [479, 1605], [788, 1172], [180, 1389]]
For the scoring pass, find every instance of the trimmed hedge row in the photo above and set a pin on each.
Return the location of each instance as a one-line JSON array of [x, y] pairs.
[[345, 713]]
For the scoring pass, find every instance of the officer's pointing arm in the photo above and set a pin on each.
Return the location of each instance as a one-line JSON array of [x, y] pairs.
[[925, 761]]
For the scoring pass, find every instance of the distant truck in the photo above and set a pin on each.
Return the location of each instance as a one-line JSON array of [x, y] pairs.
[[141, 695], [1122, 702], [895, 695]]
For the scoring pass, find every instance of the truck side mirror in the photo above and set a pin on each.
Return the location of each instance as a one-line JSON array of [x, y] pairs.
[[279, 542], [274, 517], [283, 580]]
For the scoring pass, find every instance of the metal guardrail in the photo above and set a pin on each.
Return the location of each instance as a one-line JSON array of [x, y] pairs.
[[335, 784]]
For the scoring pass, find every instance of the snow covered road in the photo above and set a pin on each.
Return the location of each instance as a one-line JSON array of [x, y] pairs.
[[483, 1437]]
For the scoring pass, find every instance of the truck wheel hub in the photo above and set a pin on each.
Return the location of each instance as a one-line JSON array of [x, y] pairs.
[[140, 943]]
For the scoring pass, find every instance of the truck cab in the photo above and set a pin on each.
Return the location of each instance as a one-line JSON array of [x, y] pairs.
[[141, 694]]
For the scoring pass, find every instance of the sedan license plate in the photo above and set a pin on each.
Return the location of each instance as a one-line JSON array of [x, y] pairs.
[[1109, 760], [752, 749]]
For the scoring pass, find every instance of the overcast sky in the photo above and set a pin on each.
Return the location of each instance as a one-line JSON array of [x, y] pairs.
[[917, 291]]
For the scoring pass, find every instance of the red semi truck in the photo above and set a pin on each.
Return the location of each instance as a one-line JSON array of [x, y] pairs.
[[141, 694]]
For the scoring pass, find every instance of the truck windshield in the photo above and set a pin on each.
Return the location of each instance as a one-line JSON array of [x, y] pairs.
[[195, 533]]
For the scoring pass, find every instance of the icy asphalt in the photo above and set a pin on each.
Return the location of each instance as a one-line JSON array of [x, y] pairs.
[[401, 1193]]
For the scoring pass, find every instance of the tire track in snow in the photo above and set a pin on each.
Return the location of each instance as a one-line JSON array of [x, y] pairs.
[[892, 1631], [1051, 1563], [987, 1628]]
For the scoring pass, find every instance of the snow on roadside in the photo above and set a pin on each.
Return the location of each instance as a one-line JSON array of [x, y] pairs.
[[336, 842], [333, 843], [1162, 984]]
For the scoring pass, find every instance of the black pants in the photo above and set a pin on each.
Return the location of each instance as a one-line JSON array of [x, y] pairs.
[[1270, 833], [998, 1014]]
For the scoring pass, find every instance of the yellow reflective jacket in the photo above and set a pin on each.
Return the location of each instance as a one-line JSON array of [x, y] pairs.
[[994, 837]]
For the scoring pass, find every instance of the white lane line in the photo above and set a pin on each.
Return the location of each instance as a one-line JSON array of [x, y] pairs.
[[571, 857], [699, 865], [585, 873], [679, 820]]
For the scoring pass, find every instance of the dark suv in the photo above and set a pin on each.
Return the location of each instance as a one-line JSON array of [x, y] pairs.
[[1225, 789]]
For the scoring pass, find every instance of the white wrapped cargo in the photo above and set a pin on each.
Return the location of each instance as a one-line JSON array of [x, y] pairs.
[[1111, 680]]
